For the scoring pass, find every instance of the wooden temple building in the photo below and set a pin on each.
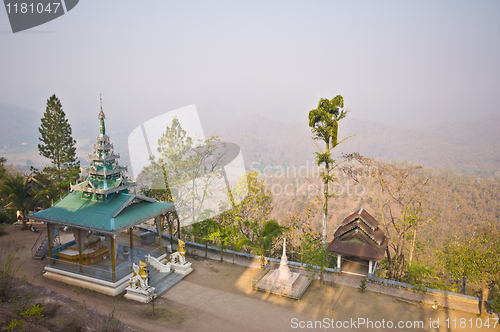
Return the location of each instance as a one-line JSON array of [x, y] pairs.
[[97, 210], [359, 239]]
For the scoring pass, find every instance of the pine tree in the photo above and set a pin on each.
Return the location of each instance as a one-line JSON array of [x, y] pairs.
[[57, 143]]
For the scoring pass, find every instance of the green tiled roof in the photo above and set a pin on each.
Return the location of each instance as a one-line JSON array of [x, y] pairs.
[[72, 210], [107, 168]]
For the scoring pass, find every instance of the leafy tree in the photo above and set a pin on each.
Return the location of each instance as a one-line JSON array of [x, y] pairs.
[[312, 253], [58, 145], [324, 126], [183, 172], [255, 207], [2, 168], [476, 257], [44, 189], [224, 235], [201, 232], [421, 276], [15, 190], [264, 237]]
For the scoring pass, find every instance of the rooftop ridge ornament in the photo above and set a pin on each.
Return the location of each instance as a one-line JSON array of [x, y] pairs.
[[101, 118]]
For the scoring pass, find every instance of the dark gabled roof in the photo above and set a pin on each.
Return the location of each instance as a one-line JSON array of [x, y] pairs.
[[121, 211], [363, 215], [359, 235]]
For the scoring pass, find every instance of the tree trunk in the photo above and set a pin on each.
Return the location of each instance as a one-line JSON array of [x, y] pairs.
[[389, 261], [23, 219], [484, 288], [325, 214], [325, 195], [413, 245]]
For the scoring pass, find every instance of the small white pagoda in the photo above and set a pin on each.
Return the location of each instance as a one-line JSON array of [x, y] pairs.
[[282, 280]]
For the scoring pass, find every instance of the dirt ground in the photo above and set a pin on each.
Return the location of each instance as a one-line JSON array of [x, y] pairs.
[[218, 297]]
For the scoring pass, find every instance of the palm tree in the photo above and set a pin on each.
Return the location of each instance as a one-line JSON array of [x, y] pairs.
[[265, 235], [14, 191]]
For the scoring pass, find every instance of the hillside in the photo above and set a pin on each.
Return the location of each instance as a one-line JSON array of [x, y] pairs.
[[470, 147]]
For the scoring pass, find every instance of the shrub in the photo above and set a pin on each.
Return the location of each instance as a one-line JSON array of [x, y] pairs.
[[7, 217], [72, 323], [110, 323], [50, 308], [8, 269], [362, 285], [15, 324]]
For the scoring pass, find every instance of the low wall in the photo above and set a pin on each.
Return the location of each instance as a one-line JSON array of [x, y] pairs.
[[192, 246], [431, 291]]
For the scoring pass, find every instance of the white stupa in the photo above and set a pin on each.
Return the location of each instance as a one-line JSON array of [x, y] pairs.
[[281, 280], [283, 275], [284, 272]]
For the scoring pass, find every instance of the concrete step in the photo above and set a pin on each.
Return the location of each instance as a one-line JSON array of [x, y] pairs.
[[163, 281], [168, 282]]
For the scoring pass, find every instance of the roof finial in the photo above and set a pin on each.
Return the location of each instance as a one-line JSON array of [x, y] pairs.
[[101, 113], [101, 120]]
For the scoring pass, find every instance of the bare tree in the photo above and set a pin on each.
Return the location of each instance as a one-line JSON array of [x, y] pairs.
[[398, 193]]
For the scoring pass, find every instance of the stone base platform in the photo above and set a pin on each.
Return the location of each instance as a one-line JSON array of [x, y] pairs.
[[140, 295], [98, 285], [273, 277], [183, 269], [268, 280]]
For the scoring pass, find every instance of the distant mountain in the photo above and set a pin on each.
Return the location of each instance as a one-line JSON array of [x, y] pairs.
[[19, 136], [465, 146], [18, 127]]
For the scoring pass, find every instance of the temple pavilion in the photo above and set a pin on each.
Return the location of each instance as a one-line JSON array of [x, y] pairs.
[[359, 243], [97, 210]]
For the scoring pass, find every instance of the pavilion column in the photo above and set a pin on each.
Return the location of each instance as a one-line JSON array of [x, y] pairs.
[[339, 260], [113, 261], [178, 228], [159, 221], [170, 232], [130, 230], [80, 258], [49, 242], [370, 266]]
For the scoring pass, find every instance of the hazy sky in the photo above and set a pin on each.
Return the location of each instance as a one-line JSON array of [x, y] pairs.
[[407, 63]]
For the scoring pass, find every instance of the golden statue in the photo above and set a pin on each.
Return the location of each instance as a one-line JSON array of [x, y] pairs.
[[179, 256], [139, 277]]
